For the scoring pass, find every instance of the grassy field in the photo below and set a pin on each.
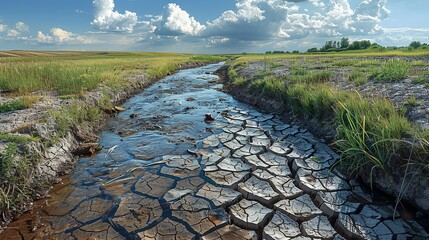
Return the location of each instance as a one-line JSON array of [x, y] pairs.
[[370, 131], [72, 72], [25, 77]]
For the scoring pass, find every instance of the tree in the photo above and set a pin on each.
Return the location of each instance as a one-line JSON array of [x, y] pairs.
[[415, 44], [312, 50], [344, 43]]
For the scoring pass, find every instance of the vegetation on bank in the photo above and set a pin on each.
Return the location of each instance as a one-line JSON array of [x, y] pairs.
[[370, 131], [66, 75]]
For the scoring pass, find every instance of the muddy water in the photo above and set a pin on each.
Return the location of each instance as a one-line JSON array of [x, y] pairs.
[[247, 175]]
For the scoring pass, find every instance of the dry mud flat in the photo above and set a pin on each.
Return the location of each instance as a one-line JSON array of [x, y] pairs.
[[250, 176]]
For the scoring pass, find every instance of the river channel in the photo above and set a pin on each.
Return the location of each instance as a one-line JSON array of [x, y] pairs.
[[167, 171]]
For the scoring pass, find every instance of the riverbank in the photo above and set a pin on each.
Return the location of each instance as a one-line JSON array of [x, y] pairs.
[[321, 85], [43, 142]]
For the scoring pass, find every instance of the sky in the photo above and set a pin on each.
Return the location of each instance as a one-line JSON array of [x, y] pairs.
[[207, 26]]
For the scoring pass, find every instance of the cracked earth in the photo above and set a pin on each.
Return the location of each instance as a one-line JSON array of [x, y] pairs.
[[248, 175]]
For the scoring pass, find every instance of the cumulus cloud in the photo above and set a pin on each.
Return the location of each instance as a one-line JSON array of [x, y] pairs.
[[60, 36], [337, 18], [252, 20], [175, 22], [22, 27], [3, 27], [109, 20], [13, 33]]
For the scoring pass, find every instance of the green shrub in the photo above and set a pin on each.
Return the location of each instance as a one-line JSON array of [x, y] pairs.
[[392, 70]]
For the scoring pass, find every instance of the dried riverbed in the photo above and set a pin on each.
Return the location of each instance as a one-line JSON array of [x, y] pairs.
[[246, 175]]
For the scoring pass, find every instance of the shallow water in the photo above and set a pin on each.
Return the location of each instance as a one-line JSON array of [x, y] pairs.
[[151, 187]]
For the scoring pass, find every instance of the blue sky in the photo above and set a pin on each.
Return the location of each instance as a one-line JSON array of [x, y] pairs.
[[207, 26]]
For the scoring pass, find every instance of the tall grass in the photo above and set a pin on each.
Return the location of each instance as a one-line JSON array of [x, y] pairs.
[[369, 131], [269, 86], [311, 76], [392, 70], [78, 73]]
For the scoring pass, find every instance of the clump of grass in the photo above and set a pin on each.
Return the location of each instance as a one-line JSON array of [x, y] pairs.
[[358, 78], [418, 63], [368, 132], [413, 102], [299, 71], [314, 100], [424, 79], [270, 86], [14, 178], [19, 104], [392, 70], [74, 114], [313, 77], [7, 137]]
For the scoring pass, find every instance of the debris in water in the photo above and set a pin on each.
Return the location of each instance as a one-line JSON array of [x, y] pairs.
[[111, 150], [208, 118], [134, 115], [119, 109]]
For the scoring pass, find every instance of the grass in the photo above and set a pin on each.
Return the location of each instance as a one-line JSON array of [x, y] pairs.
[[424, 79], [367, 131], [392, 70], [19, 104], [14, 178], [358, 78], [371, 133], [413, 102], [315, 100], [269, 86], [73, 74], [311, 76]]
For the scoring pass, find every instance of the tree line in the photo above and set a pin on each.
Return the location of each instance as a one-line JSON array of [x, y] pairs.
[[344, 44]]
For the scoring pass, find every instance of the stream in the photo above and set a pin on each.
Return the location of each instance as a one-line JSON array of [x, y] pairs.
[[168, 172]]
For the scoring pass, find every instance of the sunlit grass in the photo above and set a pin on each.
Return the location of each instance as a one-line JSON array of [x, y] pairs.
[[73, 74]]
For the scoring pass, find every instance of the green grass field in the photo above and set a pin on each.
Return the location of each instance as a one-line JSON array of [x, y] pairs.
[[76, 72]]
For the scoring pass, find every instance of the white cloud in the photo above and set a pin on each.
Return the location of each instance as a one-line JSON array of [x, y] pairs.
[[44, 38], [60, 36], [109, 20], [13, 33], [22, 27], [176, 21], [3, 27], [252, 20], [402, 36]]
